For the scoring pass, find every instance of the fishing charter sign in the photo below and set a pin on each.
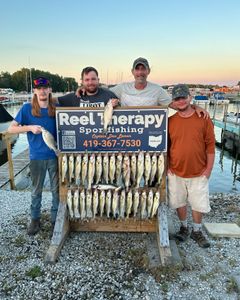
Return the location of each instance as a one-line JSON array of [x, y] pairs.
[[131, 130]]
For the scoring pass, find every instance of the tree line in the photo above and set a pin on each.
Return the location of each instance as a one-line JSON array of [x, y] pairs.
[[21, 81]]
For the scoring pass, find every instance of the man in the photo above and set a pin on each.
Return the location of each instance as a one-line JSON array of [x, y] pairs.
[[31, 118], [191, 158], [94, 95]]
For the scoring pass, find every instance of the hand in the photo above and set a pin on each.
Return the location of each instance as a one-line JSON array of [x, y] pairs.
[[169, 172], [201, 111], [206, 173], [115, 102], [80, 91], [36, 129]]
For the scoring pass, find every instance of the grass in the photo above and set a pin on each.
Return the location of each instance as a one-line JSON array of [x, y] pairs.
[[232, 286], [34, 272], [19, 241]]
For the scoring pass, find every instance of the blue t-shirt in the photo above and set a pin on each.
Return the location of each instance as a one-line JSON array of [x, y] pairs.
[[37, 148]]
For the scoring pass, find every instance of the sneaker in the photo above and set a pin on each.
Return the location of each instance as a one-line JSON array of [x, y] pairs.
[[198, 237], [182, 234], [34, 227]]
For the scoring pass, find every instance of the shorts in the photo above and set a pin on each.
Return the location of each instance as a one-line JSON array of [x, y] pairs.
[[189, 190]]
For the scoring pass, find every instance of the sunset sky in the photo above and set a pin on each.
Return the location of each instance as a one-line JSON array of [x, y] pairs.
[[184, 41]]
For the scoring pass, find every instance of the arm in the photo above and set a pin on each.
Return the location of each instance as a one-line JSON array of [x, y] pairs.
[[210, 147], [210, 162], [16, 128]]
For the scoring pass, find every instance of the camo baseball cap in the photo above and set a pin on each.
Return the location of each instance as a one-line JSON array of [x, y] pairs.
[[140, 61], [180, 91]]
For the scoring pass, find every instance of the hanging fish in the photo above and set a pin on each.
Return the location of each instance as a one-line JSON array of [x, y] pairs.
[[98, 168], [115, 204], [112, 168], [140, 168], [64, 167], [91, 170], [84, 168], [153, 168], [95, 203], [129, 204], [160, 168], [135, 203], [49, 140], [108, 203], [105, 167], [107, 115], [156, 202], [119, 168], [143, 202], [106, 187], [78, 163], [102, 202], [126, 171], [147, 168], [70, 204], [89, 204], [82, 205], [149, 203], [133, 168], [122, 204], [70, 167], [76, 204]]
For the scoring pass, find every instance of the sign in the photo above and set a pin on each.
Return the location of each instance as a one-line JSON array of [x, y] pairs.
[[131, 130]]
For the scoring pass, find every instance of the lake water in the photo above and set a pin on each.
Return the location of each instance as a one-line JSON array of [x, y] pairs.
[[226, 172]]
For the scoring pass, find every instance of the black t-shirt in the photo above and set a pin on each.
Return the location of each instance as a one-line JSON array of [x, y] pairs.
[[100, 99]]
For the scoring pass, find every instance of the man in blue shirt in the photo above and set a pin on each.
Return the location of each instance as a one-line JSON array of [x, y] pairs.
[[30, 119]]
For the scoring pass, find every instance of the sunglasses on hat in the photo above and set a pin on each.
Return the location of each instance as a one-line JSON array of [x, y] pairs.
[[41, 82]]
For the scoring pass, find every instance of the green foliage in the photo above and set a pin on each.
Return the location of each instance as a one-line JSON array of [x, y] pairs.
[[34, 272]]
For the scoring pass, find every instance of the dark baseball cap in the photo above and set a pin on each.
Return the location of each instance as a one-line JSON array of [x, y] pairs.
[[140, 61], [180, 91], [41, 82]]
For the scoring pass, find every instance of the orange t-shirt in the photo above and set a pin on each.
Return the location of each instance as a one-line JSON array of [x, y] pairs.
[[190, 140]]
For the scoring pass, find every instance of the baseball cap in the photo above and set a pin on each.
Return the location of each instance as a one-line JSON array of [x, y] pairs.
[[140, 61], [180, 91], [41, 82]]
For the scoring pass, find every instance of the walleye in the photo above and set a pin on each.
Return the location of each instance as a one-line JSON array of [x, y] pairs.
[[140, 168], [70, 204], [115, 200], [82, 204], [122, 204], [108, 202], [149, 203], [147, 168], [156, 201], [143, 200], [133, 168], [106, 187], [64, 167], [89, 204], [98, 168], [78, 163], [135, 203], [112, 168], [76, 204], [105, 167], [126, 171], [160, 168], [95, 203], [84, 168], [49, 140], [153, 168], [70, 167], [107, 116], [91, 170], [119, 168], [102, 202], [129, 204]]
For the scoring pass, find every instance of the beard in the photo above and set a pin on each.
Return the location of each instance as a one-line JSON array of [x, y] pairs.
[[91, 89]]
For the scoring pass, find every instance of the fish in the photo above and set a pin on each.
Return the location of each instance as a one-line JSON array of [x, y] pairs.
[[108, 203], [89, 204], [149, 203], [64, 167], [106, 187], [119, 168], [147, 168], [112, 168], [140, 168], [126, 171], [156, 202], [95, 203], [70, 167], [49, 140], [143, 202], [70, 204], [76, 204], [115, 209], [82, 204], [160, 168], [102, 202], [133, 169], [98, 172], [78, 163], [122, 204], [153, 168], [135, 203], [129, 204], [84, 168], [91, 170], [107, 116], [105, 167]]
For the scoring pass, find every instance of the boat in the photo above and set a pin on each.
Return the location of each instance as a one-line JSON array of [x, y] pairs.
[[233, 117], [218, 98], [201, 99]]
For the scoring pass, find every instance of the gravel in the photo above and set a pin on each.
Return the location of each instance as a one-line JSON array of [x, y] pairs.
[[112, 265]]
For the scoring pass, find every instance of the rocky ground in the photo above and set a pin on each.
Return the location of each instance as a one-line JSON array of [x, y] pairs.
[[113, 266]]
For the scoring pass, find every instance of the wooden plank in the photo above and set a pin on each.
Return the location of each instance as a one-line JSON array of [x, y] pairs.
[[10, 162], [106, 225]]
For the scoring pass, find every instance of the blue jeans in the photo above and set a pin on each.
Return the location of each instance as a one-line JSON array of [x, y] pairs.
[[38, 171]]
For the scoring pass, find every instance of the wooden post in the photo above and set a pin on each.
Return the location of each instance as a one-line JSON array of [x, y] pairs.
[[6, 137]]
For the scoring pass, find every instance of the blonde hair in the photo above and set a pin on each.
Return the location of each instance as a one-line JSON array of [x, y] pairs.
[[36, 110]]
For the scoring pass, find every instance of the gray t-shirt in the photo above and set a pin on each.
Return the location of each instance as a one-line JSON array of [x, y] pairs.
[[152, 95], [100, 99]]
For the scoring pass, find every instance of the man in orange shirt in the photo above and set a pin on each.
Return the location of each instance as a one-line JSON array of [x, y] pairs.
[[191, 158]]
